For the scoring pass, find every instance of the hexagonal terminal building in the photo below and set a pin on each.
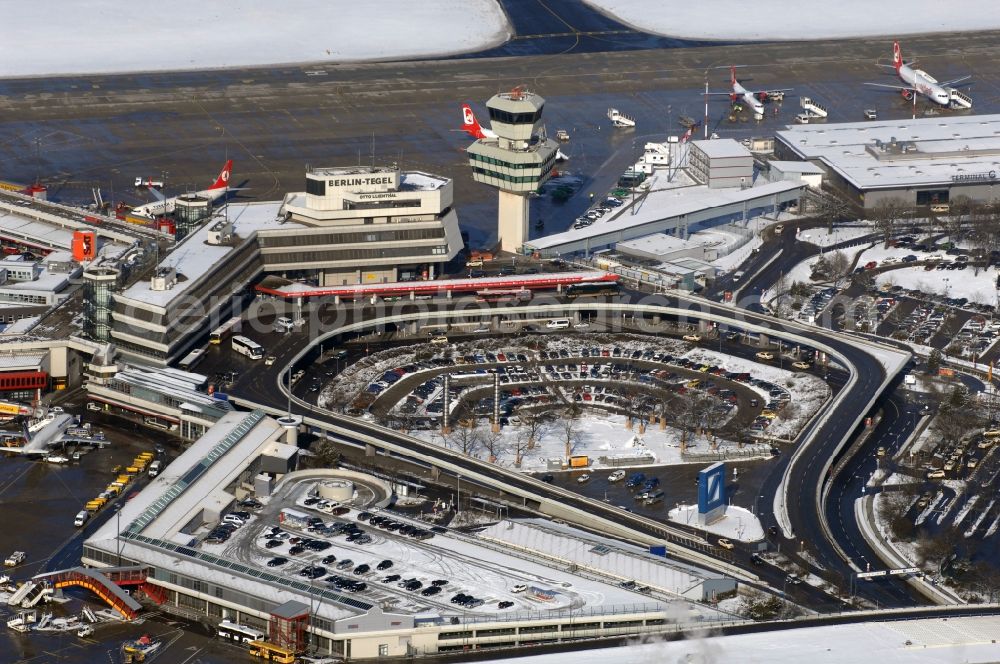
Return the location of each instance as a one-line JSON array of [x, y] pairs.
[[516, 158]]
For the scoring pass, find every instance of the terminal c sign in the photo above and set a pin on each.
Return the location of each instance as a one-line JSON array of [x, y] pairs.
[[975, 177]]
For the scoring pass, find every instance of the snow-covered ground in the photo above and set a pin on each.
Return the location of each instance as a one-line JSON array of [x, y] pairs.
[[787, 19], [822, 238], [970, 640], [605, 439], [738, 523], [103, 36]]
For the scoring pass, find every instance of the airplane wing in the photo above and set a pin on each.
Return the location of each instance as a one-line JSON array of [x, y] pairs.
[[891, 87], [955, 80], [771, 90], [156, 194]]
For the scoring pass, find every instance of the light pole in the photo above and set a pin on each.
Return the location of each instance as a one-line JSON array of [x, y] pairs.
[[714, 65], [118, 533]]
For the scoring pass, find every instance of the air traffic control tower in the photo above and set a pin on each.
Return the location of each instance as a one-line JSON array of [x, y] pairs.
[[517, 160]]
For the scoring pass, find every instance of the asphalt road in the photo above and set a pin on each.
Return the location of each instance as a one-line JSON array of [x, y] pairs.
[[899, 419]]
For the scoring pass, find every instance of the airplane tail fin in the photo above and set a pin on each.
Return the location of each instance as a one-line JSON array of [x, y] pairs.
[[223, 180], [897, 56], [470, 124]]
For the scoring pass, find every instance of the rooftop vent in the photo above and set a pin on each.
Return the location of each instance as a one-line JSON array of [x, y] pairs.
[[220, 233], [164, 279]]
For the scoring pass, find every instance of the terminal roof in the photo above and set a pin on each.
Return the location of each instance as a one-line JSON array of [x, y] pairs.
[[722, 148], [194, 257], [660, 205], [893, 153]]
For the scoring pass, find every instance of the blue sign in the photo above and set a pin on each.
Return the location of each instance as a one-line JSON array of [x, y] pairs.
[[712, 488]]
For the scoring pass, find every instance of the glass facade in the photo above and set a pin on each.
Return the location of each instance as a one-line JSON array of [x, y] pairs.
[[98, 287]]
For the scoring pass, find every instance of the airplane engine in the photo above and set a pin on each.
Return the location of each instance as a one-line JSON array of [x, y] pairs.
[[763, 96], [733, 97], [906, 94]]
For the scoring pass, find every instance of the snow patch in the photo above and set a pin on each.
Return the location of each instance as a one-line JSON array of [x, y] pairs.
[[787, 19], [105, 36]]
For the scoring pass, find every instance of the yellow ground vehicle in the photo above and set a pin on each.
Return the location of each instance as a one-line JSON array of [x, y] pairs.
[[269, 651]]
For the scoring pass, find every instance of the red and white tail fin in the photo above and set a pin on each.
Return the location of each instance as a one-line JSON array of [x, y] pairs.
[[469, 123], [897, 56], [223, 180]]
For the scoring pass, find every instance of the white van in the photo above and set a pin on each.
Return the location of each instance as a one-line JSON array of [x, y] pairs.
[[439, 340], [557, 324], [284, 324], [154, 468], [81, 518]]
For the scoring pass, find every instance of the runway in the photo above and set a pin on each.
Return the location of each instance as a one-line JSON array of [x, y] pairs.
[[76, 133]]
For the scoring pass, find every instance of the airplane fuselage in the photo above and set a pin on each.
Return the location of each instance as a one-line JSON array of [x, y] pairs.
[[748, 98], [168, 205], [924, 84]]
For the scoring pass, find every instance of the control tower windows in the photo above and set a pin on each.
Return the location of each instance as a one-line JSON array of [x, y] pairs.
[[498, 115]]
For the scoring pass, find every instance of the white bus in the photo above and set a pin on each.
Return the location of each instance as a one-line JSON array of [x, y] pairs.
[[218, 334], [189, 361], [240, 633], [248, 347]]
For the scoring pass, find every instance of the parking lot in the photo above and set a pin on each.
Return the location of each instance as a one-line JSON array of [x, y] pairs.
[[399, 562], [637, 377]]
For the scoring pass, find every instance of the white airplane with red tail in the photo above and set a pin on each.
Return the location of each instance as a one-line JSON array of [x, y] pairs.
[[163, 205], [753, 98], [920, 82], [471, 126]]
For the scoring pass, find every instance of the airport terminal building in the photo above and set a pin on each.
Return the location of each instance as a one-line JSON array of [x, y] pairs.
[[354, 225], [366, 225], [923, 162]]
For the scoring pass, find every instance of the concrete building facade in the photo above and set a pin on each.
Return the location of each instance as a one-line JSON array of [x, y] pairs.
[[721, 163], [366, 225]]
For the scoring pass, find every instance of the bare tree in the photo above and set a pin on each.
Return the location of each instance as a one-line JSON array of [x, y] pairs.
[[569, 427], [782, 301], [839, 266], [495, 443], [690, 413], [522, 446], [887, 214], [465, 438], [535, 425], [961, 210], [832, 208], [325, 454]]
